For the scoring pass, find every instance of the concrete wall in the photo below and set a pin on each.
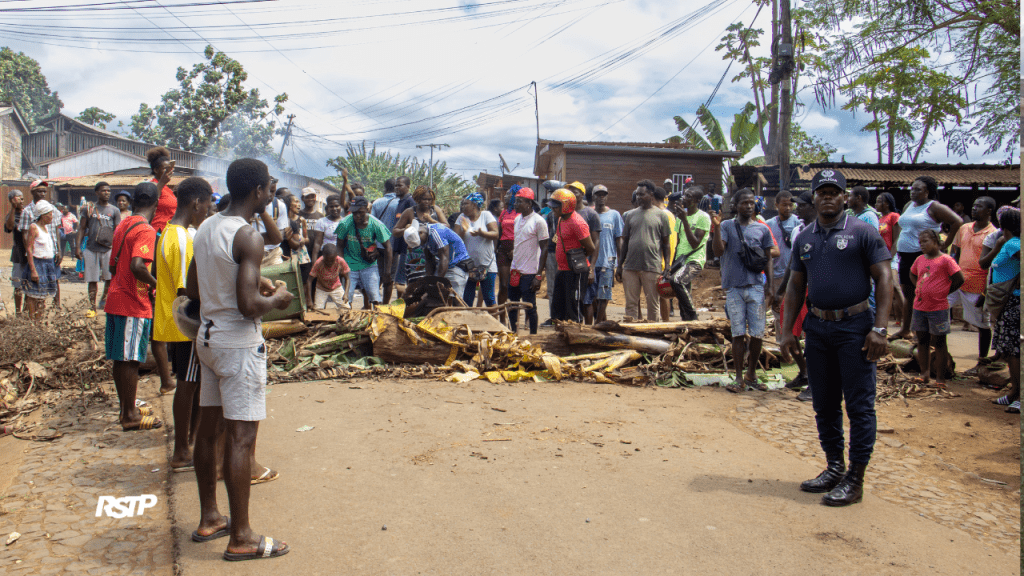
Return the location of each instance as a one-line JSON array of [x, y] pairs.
[[10, 149]]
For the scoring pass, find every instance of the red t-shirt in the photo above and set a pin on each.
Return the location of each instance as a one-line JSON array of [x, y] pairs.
[[166, 206], [328, 276], [933, 282], [508, 224], [571, 231], [885, 226], [128, 296]]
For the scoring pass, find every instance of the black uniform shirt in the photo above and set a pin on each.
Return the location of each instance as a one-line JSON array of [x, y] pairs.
[[837, 262]]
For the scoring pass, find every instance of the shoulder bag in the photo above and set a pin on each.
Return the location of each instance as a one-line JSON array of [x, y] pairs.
[[997, 294], [104, 234], [576, 257], [754, 258]]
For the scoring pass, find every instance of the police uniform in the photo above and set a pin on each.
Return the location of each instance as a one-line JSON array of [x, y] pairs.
[[836, 263]]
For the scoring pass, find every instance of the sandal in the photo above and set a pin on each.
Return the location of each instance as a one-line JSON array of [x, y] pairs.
[[225, 531], [145, 410], [756, 385], [147, 423], [734, 388], [1003, 400], [1014, 407], [267, 476], [268, 548]]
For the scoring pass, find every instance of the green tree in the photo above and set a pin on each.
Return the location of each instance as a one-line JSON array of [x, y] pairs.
[[743, 135], [979, 41], [805, 149], [22, 82], [212, 112], [372, 168], [95, 116], [908, 101]]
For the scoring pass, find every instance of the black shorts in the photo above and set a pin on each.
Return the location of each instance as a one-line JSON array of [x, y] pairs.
[[183, 359], [906, 261]]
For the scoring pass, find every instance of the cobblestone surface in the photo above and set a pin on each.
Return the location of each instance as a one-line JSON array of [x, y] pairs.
[[52, 501], [937, 490]]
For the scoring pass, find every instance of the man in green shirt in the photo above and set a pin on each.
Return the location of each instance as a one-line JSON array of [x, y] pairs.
[[358, 235], [692, 227]]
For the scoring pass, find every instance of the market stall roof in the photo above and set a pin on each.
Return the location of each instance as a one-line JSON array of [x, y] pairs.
[[879, 175]]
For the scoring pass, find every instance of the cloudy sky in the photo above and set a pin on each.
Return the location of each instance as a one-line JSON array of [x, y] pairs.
[[408, 72]]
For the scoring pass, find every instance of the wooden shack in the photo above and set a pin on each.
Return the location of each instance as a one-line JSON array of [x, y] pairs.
[[620, 165]]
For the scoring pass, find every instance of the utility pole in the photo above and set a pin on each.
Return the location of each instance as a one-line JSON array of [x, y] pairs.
[[536, 109], [287, 134], [432, 146], [785, 54]]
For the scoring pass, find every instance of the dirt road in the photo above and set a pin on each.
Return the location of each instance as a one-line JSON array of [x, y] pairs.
[[553, 479]]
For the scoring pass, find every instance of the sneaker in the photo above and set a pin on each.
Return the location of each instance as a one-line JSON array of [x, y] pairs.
[[805, 396], [797, 383]]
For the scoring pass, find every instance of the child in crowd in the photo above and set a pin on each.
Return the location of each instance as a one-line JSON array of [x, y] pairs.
[[935, 276], [328, 270]]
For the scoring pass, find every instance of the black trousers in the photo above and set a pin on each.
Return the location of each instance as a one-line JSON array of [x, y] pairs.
[[839, 370], [568, 294], [523, 293]]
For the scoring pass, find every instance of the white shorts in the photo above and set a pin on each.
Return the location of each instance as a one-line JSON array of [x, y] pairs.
[[974, 315], [97, 265], [234, 379], [321, 297]]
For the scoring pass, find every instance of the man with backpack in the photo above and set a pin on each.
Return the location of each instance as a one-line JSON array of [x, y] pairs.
[[98, 224], [744, 246]]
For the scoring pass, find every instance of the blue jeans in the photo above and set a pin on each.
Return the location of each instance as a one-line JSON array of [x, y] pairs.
[[523, 293], [368, 279], [744, 306], [486, 287], [838, 369]]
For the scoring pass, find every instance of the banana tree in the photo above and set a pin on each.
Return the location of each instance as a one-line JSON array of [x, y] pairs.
[[708, 135]]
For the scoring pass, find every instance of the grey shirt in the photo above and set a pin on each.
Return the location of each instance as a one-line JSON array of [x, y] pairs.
[[734, 273], [644, 230], [100, 217]]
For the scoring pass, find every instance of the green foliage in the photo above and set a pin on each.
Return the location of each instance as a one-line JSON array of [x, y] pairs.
[[22, 82], [805, 149], [212, 112], [742, 135], [980, 47], [95, 116], [907, 99], [372, 168]]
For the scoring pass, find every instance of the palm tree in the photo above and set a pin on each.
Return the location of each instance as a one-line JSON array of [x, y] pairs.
[[743, 135]]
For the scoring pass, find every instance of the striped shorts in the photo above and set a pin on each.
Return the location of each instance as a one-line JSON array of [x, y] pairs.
[[127, 338]]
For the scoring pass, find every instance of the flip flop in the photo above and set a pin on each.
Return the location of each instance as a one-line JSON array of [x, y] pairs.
[[186, 468], [268, 548], [756, 385], [1014, 407], [734, 388], [267, 476], [145, 410], [147, 423], [225, 531]]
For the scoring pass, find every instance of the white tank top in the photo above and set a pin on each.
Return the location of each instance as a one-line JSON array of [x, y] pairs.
[[223, 325], [42, 247]]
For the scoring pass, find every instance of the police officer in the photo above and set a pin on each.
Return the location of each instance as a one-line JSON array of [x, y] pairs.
[[834, 259]]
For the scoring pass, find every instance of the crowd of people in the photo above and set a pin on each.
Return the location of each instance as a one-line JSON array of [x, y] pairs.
[[828, 265]]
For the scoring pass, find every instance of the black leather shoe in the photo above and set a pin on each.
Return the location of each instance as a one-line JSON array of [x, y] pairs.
[[805, 396], [827, 480], [850, 490], [797, 383]]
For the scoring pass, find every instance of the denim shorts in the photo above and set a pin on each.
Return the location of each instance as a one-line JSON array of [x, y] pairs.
[[935, 322], [745, 307], [368, 279], [605, 281]]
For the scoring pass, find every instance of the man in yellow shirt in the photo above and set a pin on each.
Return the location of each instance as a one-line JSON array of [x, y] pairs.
[[174, 254]]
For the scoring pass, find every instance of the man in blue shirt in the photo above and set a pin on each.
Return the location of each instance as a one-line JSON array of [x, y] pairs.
[[450, 257], [746, 297], [834, 262], [609, 246], [782, 227]]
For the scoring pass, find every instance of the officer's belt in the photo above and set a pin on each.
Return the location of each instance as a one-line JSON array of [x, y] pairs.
[[836, 315]]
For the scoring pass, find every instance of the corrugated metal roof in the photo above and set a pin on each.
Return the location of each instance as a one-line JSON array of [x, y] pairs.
[[885, 174], [115, 181], [680, 146]]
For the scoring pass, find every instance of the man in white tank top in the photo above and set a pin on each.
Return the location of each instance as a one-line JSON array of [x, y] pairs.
[[225, 277]]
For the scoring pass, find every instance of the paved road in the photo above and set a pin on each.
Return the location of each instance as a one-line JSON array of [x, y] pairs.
[[667, 483]]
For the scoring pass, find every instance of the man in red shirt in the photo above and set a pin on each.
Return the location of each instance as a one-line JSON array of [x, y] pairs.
[[129, 309], [571, 234]]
